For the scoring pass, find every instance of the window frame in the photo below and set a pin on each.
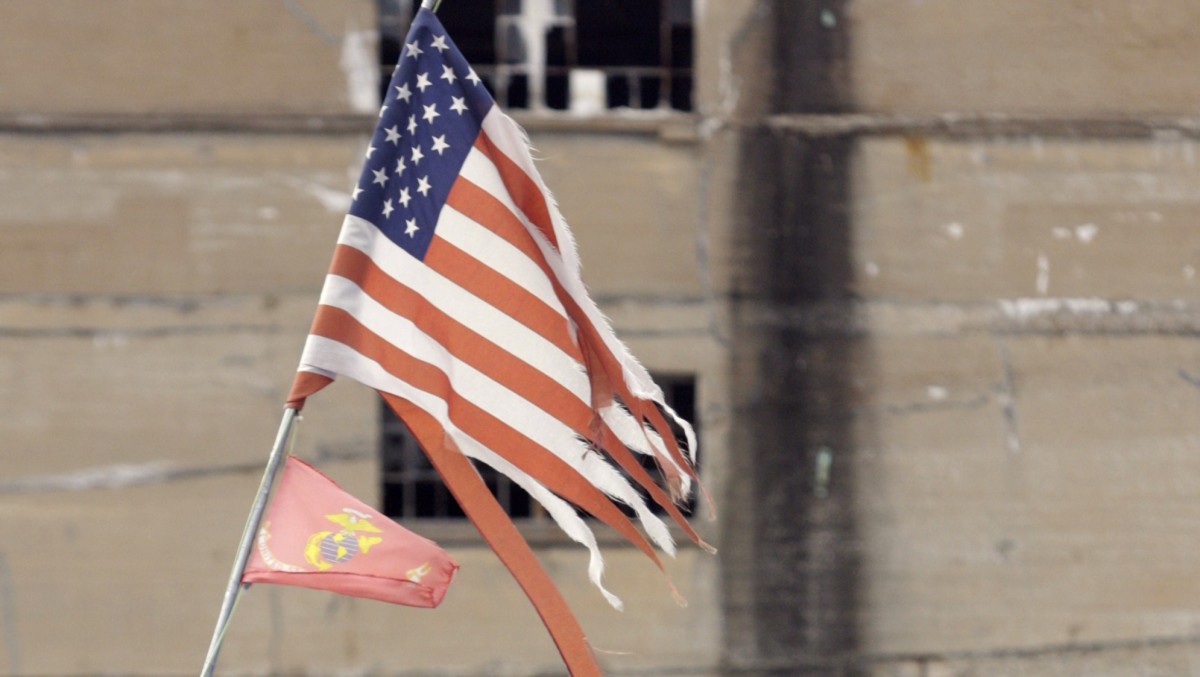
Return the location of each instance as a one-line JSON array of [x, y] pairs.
[[394, 20]]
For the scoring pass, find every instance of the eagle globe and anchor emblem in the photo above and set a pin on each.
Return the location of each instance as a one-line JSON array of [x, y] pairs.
[[327, 548], [324, 549]]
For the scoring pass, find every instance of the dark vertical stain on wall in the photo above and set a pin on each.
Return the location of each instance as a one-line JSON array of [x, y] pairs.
[[790, 548]]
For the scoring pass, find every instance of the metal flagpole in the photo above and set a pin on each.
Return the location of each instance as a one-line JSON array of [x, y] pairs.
[[234, 588], [290, 416]]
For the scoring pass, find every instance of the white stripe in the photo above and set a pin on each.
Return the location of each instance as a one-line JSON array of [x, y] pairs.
[[564, 260], [510, 139], [484, 392], [498, 400], [346, 360], [485, 245], [636, 437], [496, 326]]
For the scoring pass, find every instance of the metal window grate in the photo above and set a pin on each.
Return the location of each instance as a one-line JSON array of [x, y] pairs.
[[565, 55]]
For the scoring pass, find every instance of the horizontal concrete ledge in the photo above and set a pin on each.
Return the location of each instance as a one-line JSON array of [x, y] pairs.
[[1051, 316], [986, 125], [331, 124], [926, 663], [667, 125]]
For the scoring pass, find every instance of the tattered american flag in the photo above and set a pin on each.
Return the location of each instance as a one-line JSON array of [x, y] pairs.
[[455, 292]]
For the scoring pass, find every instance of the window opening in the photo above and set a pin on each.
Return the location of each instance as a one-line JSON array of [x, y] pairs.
[[585, 56], [411, 488]]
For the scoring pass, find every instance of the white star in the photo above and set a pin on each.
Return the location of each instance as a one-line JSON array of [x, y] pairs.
[[380, 177], [459, 105], [430, 112], [423, 81], [473, 77], [423, 186], [387, 208], [411, 227], [417, 155], [357, 192], [370, 149], [382, 110], [413, 50], [404, 93], [400, 166], [439, 144], [439, 43], [412, 124], [448, 75], [404, 197], [393, 135]]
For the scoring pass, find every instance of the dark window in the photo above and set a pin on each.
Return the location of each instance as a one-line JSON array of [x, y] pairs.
[[586, 55], [413, 489]]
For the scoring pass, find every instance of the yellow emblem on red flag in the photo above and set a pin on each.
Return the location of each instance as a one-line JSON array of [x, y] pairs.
[[326, 548], [318, 536]]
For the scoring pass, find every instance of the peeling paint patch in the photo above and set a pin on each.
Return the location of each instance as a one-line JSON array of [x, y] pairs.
[[106, 477], [362, 72], [334, 201], [1026, 309], [1043, 274], [1086, 232]]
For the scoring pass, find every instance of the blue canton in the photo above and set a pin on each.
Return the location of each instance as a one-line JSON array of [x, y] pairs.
[[427, 126]]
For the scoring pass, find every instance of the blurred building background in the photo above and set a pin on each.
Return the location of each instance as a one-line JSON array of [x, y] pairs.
[[924, 270]]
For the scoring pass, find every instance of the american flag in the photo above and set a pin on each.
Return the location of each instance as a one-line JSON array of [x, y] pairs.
[[455, 291]]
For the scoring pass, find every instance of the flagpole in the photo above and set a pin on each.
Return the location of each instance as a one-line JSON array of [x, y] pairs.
[[232, 591], [430, 5]]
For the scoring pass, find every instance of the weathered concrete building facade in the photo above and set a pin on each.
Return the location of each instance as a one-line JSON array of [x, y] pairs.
[[931, 265]]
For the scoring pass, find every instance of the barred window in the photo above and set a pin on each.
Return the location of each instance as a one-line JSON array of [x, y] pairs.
[[411, 488], [586, 56]]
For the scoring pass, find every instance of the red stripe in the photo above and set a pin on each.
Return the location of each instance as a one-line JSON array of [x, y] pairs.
[[306, 383], [502, 293], [480, 206], [463, 342], [502, 535], [524, 191], [642, 409], [539, 463], [485, 209], [476, 350]]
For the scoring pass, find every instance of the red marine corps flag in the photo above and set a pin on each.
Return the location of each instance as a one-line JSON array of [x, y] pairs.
[[455, 292], [318, 536]]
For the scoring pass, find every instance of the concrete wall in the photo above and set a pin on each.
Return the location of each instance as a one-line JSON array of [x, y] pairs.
[[156, 294], [934, 265], [172, 180], [146, 56], [1069, 58], [1025, 434], [963, 259]]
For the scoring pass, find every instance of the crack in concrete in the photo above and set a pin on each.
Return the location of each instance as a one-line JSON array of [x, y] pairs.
[[122, 476], [1189, 377], [140, 332], [1008, 398], [8, 617], [945, 405]]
